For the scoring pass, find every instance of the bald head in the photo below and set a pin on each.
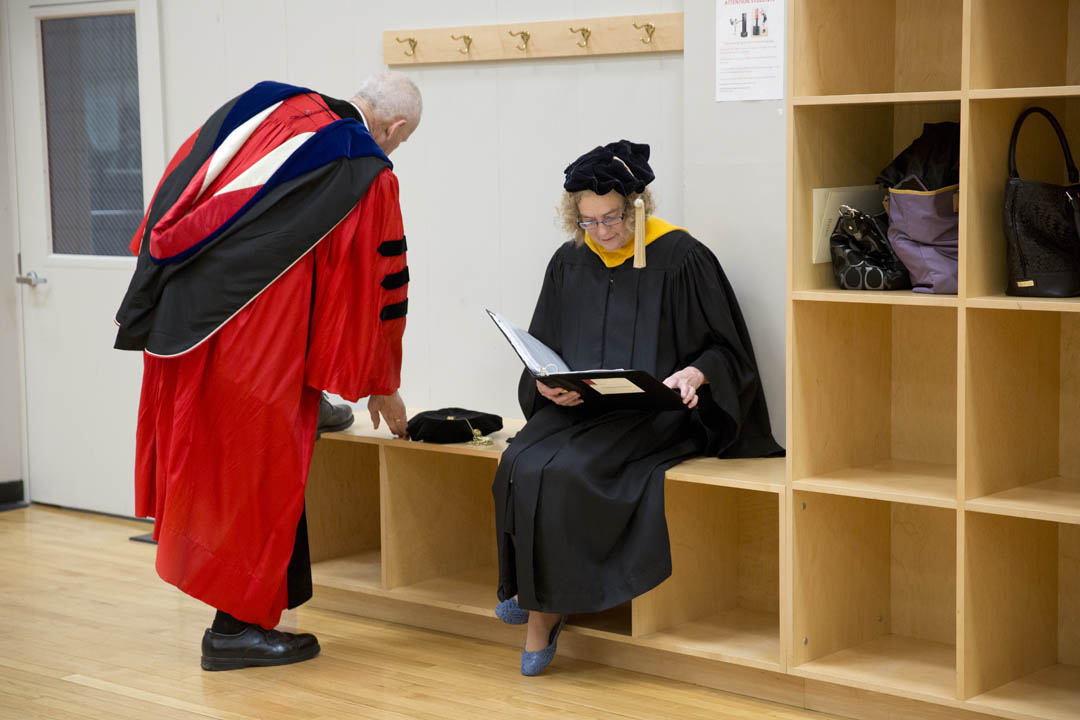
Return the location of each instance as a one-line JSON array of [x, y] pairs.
[[392, 105]]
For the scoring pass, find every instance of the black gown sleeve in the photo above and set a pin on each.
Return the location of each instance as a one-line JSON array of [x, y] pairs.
[[712, 336], [545, 328]]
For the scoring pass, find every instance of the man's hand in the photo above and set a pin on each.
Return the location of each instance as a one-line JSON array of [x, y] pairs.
[[392, 408], [559, 396], [687, 381]]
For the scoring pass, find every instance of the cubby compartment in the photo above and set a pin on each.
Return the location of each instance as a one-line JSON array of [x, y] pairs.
[[438, 539], [875, 595], [845, 47], [842, 146], [874, 401], [1025, 44], [343, 516], [1038, 157], [1023, 414], [722, 599], [1022, 617]]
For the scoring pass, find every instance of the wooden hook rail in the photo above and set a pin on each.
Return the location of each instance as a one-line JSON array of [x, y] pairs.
[[581, 37]]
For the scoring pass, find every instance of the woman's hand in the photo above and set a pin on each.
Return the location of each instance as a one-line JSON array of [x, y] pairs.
[[687, 381], [559, 396]]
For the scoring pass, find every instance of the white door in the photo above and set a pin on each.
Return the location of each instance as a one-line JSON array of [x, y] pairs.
[[88, 150]]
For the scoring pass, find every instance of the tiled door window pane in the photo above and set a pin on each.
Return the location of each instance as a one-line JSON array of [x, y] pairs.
[[92, 120]]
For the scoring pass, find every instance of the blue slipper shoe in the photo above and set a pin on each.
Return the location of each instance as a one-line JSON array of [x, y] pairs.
[[533, 663], [511, 613]]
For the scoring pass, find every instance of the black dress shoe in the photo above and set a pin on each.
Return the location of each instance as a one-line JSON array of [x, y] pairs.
[[255, 646], [333, 418]]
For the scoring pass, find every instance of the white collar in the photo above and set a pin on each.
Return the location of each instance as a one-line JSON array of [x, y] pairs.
[[362, 118]]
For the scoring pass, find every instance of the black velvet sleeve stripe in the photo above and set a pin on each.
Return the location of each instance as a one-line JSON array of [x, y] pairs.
[[395, 311], [395, 280], [390, 248]]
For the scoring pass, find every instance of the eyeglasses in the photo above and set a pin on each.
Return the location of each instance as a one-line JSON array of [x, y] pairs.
[[606, 222]]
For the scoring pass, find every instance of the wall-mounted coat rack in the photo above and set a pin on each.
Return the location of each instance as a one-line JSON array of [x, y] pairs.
[[661, 32]]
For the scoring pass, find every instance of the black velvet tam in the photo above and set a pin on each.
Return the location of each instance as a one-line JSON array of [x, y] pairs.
[[451, 425], [620, 166]]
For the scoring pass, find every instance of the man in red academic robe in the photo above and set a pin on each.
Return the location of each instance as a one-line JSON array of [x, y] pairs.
[[271, 267]]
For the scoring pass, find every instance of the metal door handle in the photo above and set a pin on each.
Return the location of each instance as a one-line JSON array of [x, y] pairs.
[[31, 278]]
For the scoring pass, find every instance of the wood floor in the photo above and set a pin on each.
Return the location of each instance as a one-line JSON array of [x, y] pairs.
[[87, 630]]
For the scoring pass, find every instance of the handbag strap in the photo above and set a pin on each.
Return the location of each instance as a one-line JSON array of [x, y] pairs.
[[1074, 177], [1074, 203]]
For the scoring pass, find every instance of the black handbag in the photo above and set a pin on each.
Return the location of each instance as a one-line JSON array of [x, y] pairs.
[[862, 257], [1041, 221]]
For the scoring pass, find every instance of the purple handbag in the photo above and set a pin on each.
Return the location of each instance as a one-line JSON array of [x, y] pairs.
[[924, 229]]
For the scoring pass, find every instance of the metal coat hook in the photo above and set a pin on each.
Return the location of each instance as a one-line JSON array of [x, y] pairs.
[[468, 42], [412, 45], [649, 29], [524, 35], [585, 33]]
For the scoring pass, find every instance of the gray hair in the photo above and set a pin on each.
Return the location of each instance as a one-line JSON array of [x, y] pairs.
[[392, 95]]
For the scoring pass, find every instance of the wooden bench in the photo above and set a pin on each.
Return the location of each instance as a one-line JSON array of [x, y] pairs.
[[405, 532]]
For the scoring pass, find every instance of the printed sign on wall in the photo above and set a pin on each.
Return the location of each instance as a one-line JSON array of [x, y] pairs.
[[749, 50]]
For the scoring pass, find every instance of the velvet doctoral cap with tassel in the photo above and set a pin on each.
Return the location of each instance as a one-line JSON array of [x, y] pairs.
[[621, 166]]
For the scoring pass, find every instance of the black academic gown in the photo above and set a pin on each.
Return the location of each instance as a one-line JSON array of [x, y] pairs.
[[579, 494]]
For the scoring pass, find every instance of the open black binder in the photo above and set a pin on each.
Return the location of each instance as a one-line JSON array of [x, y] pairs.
[[610, 389]]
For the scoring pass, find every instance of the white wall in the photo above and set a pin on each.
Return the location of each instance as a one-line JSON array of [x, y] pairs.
[[11, 407], [735, 196], [479, 179]]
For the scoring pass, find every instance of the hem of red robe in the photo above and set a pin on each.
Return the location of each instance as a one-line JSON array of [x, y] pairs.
[[208, 577]]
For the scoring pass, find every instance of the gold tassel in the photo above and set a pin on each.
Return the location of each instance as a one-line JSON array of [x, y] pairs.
[[639, 233]]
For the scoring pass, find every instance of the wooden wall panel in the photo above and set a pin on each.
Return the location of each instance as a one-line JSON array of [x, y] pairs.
[[928, 34], [923, 573], [841, 379], [1018, 44], [924, 384], [759, 551], [343, 499], [1070, 396], [703, 528], [1069, 595], [841, 573], [1011, 600], [438, 515], [829, 61], [1011, 437]]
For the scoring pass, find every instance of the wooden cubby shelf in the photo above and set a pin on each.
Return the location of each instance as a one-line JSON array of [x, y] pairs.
[[722, 600], [888, 98], [854, 47], [1028, 93], [877, 297], [1038, 157], [933, 442], [1022, 616], [874, 401], [1028, 44], [875, 595], [423, 548], [1023, 448], [1006, 302], [841, 145]]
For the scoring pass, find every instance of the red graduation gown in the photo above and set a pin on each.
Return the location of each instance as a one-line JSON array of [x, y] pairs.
[[226, 430]]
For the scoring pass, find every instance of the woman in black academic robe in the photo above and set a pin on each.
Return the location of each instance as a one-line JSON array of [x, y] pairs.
[[579, 494]]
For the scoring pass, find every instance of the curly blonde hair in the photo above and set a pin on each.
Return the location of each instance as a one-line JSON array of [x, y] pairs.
[[568, 213]]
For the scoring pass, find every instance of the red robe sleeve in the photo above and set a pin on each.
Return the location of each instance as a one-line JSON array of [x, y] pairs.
[[360, 298]]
